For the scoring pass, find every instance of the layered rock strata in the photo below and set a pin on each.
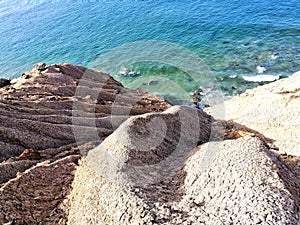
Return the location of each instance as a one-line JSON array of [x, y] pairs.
[[49, 118]]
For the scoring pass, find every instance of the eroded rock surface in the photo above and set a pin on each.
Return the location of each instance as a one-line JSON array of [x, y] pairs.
[[242, 185], [49, 118], [272, 109], [145, 173], [137, 166]]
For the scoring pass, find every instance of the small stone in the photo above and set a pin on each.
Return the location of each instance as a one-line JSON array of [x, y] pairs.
[[26, 75], [40, 66], [4, 82]]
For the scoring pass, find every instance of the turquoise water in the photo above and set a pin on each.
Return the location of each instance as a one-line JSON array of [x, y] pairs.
[[230, 37]]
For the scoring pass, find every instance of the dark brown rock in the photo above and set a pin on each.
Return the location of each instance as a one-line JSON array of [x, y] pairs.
[[52, 116], [4, 82]]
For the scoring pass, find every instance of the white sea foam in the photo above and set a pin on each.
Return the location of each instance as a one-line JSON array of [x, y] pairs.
[[260, 69], [260, 78], [274, 56]]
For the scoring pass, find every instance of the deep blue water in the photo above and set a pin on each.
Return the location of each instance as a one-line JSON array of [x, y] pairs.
[[230, 37]]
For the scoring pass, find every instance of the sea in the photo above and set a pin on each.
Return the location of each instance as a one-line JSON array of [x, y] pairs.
[[171, 48]]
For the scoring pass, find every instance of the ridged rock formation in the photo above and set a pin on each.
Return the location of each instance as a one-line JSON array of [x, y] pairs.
[[149, 171], [49, 118]]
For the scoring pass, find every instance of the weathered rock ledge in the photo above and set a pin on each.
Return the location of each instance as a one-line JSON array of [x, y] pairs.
[[79, 148], [49, 117], [272, 109]]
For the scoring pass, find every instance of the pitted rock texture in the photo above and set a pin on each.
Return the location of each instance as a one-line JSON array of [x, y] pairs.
[[143, 174], [56, 114], [226, 182], [161, 141], [241, 185], [273, 110], [137, 166]]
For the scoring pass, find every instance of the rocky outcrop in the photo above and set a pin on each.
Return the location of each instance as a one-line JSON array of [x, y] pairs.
[[149, 171], [151, 143], [4, 82], [272, 110], [49, 118], [242, 185], [137, 166], [79, 148]]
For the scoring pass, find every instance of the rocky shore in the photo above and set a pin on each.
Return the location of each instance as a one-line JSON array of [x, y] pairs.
[[79, 148]]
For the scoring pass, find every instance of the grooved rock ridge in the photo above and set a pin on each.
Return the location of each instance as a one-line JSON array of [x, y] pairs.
[[170, 180], [49, 118]]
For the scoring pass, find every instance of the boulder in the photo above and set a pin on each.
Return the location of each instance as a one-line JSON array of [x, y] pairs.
[[4, 82], [40, 66]]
